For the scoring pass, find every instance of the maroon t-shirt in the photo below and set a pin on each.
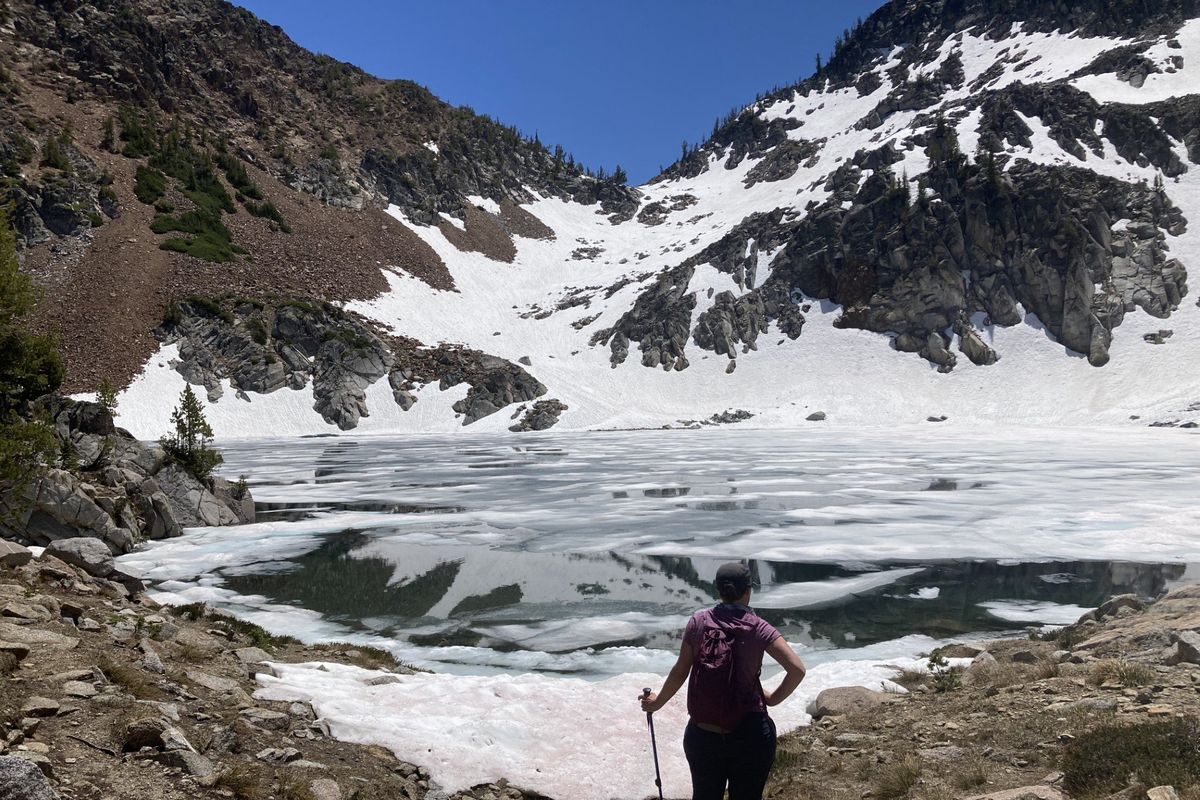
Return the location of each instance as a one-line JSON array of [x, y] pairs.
[[752, 636]]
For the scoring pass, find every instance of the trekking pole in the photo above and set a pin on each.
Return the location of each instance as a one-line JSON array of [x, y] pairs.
[[653, 747]]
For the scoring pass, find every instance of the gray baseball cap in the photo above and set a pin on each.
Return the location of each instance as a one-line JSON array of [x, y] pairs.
[[735, 574]]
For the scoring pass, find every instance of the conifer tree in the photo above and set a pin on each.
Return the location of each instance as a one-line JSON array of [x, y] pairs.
[[191, 443], [29, 368]]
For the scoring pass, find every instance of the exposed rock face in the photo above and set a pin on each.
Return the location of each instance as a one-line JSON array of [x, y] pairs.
[[542, 416], [978, 243], [262, 349], [125, 491]]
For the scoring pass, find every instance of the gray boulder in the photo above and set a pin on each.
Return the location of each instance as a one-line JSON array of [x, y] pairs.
[[56, 506], [193, 504], [21, 779], [845, 700], [14, 555], [1184, 649], [88, 553]]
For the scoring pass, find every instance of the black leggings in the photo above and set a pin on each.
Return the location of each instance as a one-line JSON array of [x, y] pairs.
[[742, 758]]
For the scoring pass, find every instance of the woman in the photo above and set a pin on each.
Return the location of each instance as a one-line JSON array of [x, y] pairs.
[[730, 739]]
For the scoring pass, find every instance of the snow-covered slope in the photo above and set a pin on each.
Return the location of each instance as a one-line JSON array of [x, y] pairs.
[[886, 239]]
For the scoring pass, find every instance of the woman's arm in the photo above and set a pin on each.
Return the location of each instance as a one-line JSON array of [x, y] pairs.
[[679, 673], [793, 667]]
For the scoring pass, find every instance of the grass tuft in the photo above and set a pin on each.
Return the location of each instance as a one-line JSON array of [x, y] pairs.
[[1126, 673], [1101, 761], [897, 779]]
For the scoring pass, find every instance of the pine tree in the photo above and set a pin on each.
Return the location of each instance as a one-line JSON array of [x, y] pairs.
[[109, 140], [191, 444], [29, 368], [106, 395]]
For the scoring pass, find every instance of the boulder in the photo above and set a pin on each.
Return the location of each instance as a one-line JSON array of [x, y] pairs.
[[1184, 649], [88, 553], [39, 707], [325, 789], [816, 416], [267, 719], [1024, 793], [193, 504], [37, 638], [15, 649], [1162, 793], [56, 506], [846, 700], [13, 554], [21, 779]]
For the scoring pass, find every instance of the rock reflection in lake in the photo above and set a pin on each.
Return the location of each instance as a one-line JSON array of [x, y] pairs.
[[509, 598]]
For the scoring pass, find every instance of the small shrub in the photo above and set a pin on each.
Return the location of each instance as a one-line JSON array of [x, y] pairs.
[[210, 307], [945, 677], [896, 780], [971, 775], [911, 678], [131, 679], [257, 635], [192, 611], [1126, 673], [245, 781], [54, 154], [1100, 761], [1045, 668], [292, 787], [149, 185], [1068, 637]]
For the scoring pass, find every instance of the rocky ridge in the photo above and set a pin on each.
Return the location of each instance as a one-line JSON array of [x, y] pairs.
[[115, 490], [263, 348]]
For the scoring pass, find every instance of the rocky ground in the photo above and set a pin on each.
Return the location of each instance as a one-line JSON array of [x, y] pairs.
[[104, 695], [1075, 716]]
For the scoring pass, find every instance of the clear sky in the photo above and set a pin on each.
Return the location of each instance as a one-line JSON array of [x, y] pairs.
[[612, 81]]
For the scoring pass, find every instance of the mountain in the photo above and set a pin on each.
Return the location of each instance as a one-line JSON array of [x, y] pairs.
[[981, 211]]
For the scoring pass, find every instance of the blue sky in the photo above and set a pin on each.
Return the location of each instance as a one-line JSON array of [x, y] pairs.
[[612, 81]]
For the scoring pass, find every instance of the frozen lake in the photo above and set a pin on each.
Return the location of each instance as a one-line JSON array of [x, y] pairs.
[[563, 566]]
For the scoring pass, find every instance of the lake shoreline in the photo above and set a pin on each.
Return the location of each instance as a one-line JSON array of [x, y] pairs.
[[94, 658]]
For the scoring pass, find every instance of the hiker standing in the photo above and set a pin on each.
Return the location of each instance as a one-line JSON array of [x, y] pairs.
[[730, 739]]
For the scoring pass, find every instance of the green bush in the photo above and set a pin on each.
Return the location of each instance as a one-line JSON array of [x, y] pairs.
[[149, 185], [1100, 761], [138, 133], [239, 179], [210, 307], [54, 154], [268, 210]]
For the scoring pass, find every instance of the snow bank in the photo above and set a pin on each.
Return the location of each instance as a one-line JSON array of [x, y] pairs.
[[569, 738]]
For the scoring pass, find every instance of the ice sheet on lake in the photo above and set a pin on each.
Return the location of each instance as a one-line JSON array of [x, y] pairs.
[[1034, 611], [569, 738], [811, 595]]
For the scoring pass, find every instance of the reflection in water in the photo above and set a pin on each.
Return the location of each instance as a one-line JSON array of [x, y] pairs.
[[439, 595]]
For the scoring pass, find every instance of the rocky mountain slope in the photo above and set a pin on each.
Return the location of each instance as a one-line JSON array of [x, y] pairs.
[[973, 210]]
